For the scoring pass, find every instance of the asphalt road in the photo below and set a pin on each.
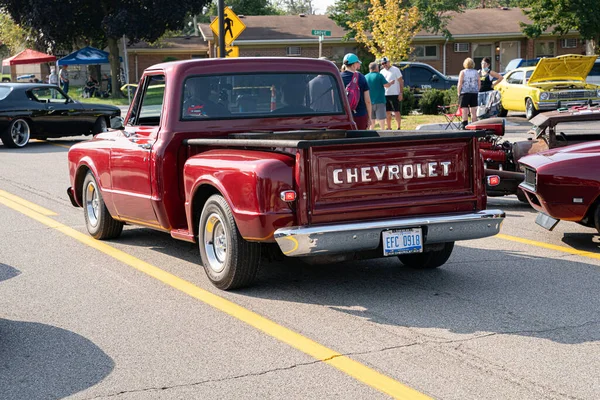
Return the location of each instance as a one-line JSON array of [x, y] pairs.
[[515, 316]]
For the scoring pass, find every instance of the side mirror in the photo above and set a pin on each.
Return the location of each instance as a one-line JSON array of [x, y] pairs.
[[117, 123], [435, 78]]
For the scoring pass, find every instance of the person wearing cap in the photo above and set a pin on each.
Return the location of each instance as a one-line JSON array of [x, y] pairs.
[[393, 94], [363, 110], [377, 84]]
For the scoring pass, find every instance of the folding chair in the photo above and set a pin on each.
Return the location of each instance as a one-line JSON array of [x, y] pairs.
[[453, 119]]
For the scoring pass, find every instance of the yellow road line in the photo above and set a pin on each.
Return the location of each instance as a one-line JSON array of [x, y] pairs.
[[60, 145], [345, 364], [563, 249], [26, 203]]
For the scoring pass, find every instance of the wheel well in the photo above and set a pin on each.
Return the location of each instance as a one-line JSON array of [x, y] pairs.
[[79, 178], [588, 220], [200, 197]]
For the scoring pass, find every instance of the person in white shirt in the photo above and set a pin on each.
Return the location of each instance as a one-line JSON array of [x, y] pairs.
[[393, 94]]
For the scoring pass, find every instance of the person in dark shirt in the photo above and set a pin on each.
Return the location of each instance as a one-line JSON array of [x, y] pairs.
[[363, 110], [197, 102], [90, 87]]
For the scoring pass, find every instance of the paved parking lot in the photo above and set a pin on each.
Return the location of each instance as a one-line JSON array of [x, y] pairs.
[[509, 317]]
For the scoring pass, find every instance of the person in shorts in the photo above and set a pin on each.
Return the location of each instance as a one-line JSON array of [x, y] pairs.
[[377, 84], [468, 89], [362, 113], [393, 93]]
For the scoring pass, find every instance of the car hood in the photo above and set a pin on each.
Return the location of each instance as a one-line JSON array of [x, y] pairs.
[[569, 67], [573, 152], [101, 107]]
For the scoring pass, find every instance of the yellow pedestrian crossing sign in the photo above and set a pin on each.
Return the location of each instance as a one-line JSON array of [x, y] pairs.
[[230, 51], [233, 26]]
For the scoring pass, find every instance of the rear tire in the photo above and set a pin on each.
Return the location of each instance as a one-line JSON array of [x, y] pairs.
[[17, 134], [530, 110], [428, 260], [98, 221], [230, 261], [522, 197]]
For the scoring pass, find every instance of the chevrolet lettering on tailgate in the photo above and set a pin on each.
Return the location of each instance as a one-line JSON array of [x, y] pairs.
[[391, 172]]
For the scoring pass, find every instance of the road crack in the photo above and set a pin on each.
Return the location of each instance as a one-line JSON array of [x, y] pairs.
[[203, 382]]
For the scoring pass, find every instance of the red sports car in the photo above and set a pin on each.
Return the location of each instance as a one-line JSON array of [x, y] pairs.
[[564, 184]]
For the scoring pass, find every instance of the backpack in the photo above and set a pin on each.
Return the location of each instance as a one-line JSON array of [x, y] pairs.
[[353, 92]]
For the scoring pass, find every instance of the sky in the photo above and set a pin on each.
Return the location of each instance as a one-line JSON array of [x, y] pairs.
[[321, 5]]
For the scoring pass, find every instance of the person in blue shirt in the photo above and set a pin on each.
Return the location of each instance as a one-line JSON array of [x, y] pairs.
[[377, 84], [363, 110]]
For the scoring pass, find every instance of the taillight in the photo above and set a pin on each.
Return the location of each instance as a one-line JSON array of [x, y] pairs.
[[288, 195], [493, 180]]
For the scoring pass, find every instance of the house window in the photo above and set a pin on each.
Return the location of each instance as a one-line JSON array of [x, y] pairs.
[[545, 49], [568, 43], [461, 47], [426, 52], [294, 51]]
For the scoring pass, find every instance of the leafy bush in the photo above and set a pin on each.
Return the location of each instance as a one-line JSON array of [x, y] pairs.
[[451, 96], [408, 101], [431, 99]]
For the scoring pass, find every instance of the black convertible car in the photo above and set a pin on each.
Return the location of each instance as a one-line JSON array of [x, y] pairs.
[[39, 111]]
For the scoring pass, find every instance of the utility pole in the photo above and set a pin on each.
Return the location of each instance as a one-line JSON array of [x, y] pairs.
[[221, 6]]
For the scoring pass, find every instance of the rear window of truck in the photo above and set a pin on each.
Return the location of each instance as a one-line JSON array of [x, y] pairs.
[[260, 95]]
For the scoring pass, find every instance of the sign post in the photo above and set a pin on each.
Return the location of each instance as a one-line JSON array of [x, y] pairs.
[[227, 27], [321, 33]]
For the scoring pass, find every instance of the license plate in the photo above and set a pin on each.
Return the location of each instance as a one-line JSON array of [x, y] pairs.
[[402, 241]]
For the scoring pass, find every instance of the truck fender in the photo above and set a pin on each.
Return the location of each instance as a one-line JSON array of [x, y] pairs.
[[250, 184]]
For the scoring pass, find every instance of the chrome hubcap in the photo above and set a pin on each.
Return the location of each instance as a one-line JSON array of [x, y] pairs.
[[215, 242], [20, 132], [92, 203]]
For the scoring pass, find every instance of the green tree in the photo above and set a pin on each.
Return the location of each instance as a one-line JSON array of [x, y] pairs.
[[60, 23], [433, 13], [12, 36], [562, 16], [392, 29]]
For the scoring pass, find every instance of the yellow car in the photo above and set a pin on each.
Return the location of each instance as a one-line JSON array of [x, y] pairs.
[[553, 83]]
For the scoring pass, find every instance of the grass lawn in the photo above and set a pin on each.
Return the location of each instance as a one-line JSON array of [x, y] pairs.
[[410, 122]]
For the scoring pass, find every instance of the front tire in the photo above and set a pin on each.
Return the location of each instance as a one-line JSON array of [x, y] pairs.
[[98, 221], [428, 260], [530, 110], [502, 112], [17, 135], [230, 261], [597, 217], [100, 126]]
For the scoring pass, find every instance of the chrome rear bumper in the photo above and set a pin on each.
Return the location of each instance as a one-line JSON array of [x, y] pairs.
[[349, 237]]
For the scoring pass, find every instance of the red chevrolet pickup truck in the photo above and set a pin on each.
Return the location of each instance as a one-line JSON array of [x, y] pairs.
[[252, 157]]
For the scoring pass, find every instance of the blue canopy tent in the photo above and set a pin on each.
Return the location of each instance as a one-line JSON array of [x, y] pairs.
[[87, 55]]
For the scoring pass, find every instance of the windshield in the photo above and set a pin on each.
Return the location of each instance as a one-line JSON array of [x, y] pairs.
[[512, 64], [4, 91], [260, 95]]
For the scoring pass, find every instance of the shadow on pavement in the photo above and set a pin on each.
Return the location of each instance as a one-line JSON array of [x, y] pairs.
[[477, 292], [7, 272], [39, 361]]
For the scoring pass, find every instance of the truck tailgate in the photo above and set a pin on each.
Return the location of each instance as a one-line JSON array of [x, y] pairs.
[[418, 174]]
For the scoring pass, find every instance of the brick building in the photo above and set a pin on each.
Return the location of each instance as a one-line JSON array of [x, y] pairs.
[[489, 32]]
